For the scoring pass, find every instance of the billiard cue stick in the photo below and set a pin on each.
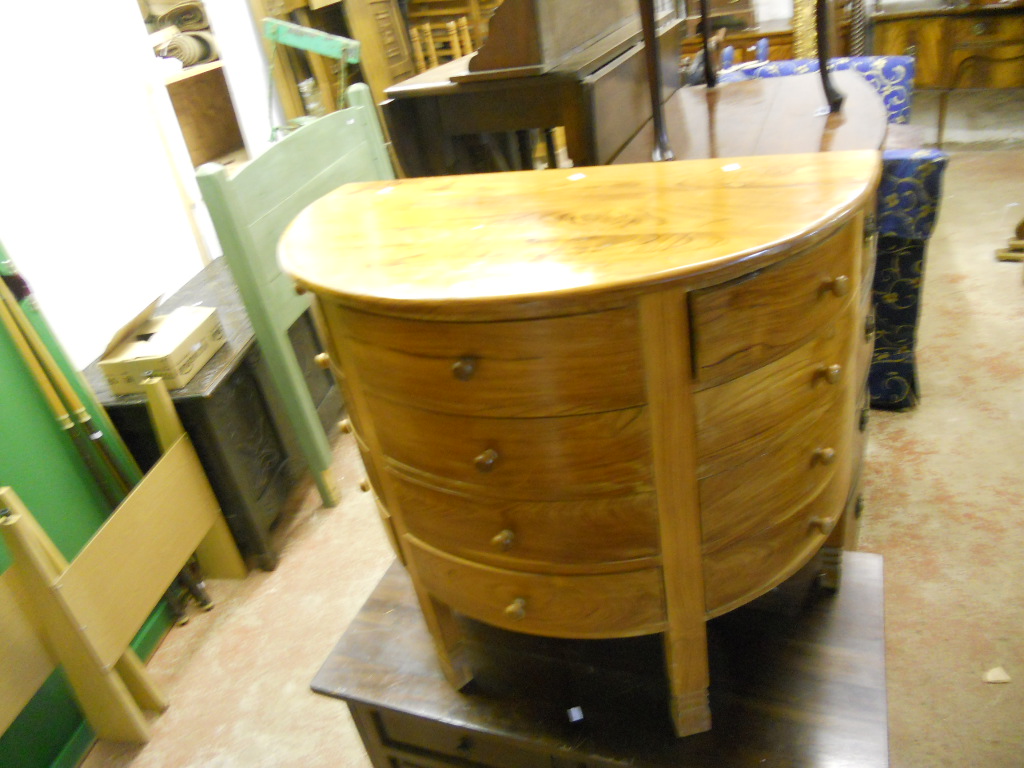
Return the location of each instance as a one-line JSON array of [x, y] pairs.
[[662, 150], [108, 485], [126, 474]]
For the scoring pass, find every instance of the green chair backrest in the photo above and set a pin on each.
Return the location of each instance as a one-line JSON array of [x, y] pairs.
[[251, 209]]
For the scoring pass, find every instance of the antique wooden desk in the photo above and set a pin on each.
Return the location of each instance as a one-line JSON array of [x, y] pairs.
[[772, 116], [799, 691], [599, 96], [603, 402], [441, 118]]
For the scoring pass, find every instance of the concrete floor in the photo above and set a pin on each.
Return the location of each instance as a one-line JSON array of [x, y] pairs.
[[238, 677]]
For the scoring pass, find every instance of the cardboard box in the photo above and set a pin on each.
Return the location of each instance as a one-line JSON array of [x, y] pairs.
[[173, 346]]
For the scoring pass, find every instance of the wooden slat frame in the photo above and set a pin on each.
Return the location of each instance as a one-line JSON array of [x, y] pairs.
[[113, 584]]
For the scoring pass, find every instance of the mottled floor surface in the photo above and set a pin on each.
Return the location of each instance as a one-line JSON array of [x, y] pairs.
[[945, 507]]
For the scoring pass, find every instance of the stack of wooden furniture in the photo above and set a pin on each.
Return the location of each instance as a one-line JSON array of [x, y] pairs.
[[429, 50], [437, 13], [624, 401]]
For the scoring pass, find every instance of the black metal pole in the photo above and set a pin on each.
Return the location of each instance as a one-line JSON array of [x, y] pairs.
[[822, 20], [662, 151]]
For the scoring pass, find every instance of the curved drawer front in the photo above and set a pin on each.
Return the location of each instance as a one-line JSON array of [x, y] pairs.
[[745, 323], [548, 367], [812, 378], [548, 535], [786, 475], [584, 607], [546, 458], [745, 568]]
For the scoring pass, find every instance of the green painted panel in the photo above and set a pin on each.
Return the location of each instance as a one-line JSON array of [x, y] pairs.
[[40, 462]]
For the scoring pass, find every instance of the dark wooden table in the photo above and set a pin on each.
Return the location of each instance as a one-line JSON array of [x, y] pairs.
[[769, 116], [442, 124], [792, 686]]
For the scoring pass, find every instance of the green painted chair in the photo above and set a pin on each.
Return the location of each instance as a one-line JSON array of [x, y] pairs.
[[251, 208]]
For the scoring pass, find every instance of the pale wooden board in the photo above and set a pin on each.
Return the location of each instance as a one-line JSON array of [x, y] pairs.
[[26, 662], [119, 577]]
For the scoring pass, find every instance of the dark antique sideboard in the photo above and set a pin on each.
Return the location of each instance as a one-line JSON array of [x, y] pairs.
[[230, 412], [789, 687]]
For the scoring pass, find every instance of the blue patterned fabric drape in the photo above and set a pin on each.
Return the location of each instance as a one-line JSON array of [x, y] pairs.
[[899, 272], [908, 194], [907, 205]]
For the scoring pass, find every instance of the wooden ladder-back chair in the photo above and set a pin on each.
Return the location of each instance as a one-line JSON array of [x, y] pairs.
[[251, 209]]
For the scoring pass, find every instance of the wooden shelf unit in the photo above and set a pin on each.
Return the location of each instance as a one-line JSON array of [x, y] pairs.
[[205, 112]]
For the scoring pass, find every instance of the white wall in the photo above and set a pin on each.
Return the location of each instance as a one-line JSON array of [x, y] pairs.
[[769, 10], [239, 38], [90, 209]]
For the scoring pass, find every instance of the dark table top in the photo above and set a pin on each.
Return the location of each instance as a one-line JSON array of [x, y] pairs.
[[787, 689], [766, 116]]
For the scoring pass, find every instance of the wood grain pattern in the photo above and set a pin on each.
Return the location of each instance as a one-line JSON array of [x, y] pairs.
[[563, 236], [750, 566], [740, 410], [758, 318], [750, 495], [550, 367], [588, 534], [587, 607], [542, 459]]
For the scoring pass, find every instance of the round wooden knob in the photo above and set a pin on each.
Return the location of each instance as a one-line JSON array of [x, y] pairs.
[[464, 368], [840, 286], [831, 373], [364, 486], [822, 524], [516, 609], [486, 460], [345, 425], [825, 455], [299, 290], [323, 360], [871, 221], [504, 540]]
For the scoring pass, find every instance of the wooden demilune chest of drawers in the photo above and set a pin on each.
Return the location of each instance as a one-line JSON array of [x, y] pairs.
[[603, 402]]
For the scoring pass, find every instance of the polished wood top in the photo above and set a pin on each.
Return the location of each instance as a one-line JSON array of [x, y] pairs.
[[515, 241]]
